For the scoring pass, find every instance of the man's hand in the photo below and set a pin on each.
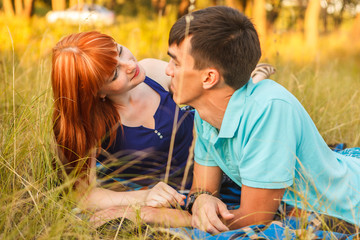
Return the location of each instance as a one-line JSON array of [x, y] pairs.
[[162, 195], [208, 212]]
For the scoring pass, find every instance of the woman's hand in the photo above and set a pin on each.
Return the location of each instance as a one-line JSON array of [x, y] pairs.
[[162, 195]]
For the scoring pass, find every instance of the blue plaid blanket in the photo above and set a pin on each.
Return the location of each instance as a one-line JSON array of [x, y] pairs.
[[289, 228]]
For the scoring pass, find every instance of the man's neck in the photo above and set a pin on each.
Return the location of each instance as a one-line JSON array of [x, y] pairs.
[[213, 105]]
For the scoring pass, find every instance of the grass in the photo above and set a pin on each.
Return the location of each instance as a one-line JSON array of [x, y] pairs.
[[33, 205]]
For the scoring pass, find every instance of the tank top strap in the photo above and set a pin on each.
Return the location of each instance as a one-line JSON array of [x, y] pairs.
[[154, 85]]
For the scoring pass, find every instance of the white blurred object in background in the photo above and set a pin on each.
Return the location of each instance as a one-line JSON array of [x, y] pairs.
[[83, 14]]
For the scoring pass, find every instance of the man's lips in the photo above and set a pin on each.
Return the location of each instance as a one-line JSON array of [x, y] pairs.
[[172, 88]]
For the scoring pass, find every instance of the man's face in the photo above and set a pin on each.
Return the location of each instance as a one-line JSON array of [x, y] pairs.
[[186, 83]]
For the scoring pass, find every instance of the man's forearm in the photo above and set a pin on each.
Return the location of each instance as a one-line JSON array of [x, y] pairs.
[[245, 218]]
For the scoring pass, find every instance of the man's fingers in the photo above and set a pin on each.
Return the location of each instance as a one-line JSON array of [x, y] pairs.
[[224, 212], [211, 229], [216, 222], [203, 224], [209, 213]]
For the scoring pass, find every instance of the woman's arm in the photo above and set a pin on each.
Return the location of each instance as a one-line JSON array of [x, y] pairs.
[[95, 198], [164, 217], [155, 69]]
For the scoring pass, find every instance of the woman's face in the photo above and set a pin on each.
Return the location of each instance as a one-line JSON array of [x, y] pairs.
[[127, 74]]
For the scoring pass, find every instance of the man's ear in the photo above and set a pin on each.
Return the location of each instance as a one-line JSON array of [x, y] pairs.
[[211, 77]]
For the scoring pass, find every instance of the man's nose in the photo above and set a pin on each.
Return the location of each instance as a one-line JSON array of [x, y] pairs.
[[169, 70]]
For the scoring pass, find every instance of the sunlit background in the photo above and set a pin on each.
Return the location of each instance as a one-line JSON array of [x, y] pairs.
[[314, 45], [295, 30]]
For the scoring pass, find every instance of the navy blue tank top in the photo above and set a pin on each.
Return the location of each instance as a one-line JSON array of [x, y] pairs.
[[139, 154]]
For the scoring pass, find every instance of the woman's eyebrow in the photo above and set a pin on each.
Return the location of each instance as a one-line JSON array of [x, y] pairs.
[[120, 50]]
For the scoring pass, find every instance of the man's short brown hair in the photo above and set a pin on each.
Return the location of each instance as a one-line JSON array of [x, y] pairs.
[[223, 38]]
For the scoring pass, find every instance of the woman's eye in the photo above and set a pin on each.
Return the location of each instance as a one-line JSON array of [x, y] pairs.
[[115, 74]]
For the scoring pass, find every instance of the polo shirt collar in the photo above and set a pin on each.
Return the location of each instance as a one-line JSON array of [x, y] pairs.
[[234, 110]]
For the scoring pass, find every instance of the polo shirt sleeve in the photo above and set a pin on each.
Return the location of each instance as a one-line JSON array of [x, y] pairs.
[[202, 145], [269, 156]]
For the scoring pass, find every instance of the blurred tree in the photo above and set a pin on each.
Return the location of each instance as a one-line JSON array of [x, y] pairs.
[[58, 5], [23, 8], [273, 11], [356, 28], [311, 27], [8, 8], [259, 18], [238, 4], [183, 7], [337, 8], [159, 6], [74, 2], [300, 13]]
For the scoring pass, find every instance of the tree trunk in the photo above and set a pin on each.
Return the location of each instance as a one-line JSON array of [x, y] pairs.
[[311, 27], [74, 2], [159, 6], [58, 5], [29, 7], [8, 8], [259, 18], [19, 9], [183, 8], [235, 4], [356, 28]]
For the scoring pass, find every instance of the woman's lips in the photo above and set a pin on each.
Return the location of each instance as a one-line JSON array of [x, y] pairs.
[[137, 71]]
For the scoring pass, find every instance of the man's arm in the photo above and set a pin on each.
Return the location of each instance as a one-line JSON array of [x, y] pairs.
[[206, 179], [257, 206], [208, 210]]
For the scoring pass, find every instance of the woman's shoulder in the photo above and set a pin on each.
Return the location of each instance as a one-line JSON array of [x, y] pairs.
[[155, 69]]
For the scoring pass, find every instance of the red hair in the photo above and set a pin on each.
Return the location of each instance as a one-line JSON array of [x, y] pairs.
[[81, 65]]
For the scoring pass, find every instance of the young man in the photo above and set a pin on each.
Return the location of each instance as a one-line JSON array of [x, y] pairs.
[[258, 135]]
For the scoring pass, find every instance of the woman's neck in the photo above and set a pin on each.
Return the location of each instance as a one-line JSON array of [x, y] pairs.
[[138, 106]]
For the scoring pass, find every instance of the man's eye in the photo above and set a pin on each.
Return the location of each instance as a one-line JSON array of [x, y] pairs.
[[115, 75]]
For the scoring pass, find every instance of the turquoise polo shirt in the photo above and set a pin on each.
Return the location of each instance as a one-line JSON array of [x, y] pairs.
[[268, 140]]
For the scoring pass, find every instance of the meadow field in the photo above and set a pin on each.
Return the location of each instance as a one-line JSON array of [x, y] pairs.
[[33, 205]]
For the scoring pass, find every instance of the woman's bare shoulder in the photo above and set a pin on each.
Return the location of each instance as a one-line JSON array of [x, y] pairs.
[[155, 69]]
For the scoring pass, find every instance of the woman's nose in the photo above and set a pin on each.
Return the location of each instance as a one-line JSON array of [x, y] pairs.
[[130, 66]]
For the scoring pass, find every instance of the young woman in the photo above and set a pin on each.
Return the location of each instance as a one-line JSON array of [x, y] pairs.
[[99, 88]]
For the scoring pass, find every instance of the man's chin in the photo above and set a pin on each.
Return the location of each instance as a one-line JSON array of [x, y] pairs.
[[177, 99]]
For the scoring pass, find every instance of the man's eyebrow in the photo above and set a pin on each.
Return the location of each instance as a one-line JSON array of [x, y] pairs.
[[172, 56]]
